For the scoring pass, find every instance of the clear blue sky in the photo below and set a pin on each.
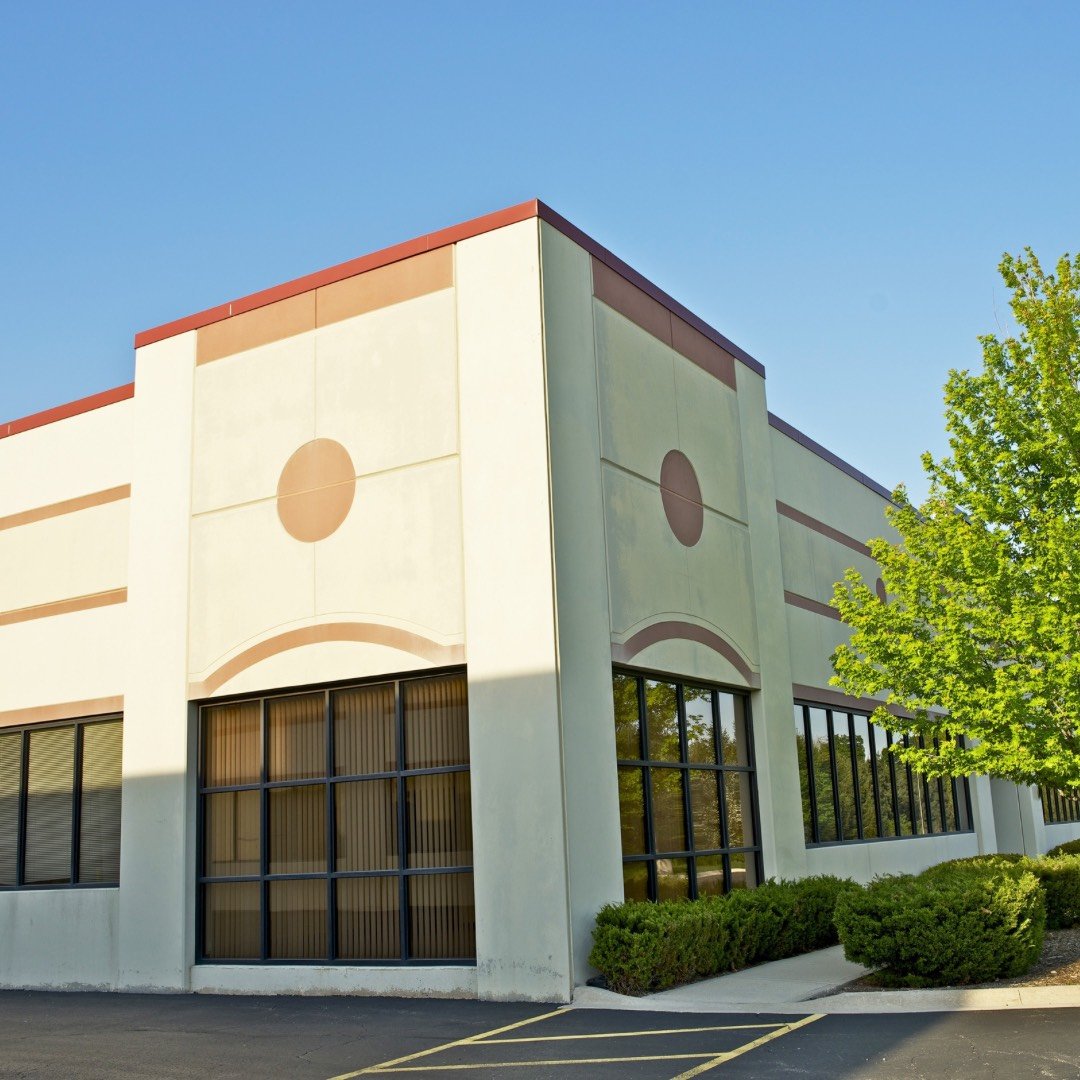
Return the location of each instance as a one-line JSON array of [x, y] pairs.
[[829, 184]]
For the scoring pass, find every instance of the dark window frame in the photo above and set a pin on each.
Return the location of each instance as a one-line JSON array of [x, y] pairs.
[[718, 768], [26, 730], [926, 791], [264, 786]]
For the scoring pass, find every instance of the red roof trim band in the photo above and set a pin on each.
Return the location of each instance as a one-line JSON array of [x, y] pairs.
[[72, 408]]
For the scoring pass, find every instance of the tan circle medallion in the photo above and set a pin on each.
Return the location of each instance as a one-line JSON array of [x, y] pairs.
[[681, 493], [315, 490]]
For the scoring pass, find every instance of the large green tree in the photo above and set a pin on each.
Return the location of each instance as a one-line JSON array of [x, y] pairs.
[[980, 633]]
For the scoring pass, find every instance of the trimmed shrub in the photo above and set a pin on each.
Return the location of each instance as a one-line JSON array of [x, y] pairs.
[[953, 924], [642, 947], [1059, 877], [1070, 847]]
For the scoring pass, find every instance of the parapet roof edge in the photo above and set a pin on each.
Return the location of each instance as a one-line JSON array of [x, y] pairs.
[[69, 409]]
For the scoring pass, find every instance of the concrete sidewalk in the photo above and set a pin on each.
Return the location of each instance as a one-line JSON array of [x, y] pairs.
[[809, 984]]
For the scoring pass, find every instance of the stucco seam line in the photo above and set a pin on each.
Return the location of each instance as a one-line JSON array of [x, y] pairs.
[[820, 527], [654, 482], [652, 316], [818, 695], [71, 408], [326, 305], [66, 506], [685, 631], [365, 633], [63, 607], [809, 604], [65, 710]]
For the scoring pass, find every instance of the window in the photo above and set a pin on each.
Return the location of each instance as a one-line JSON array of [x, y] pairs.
[[1057, 807], [687, 799], [336, 825], [60, 804], [855, 788]]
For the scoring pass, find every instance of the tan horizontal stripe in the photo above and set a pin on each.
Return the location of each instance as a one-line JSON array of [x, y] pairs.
[[378, 288], [654, 318], [67, 506], [833, 699], [367, 633], [821, 527], [63, 607], [405, 280], [808, 604], [65, 710]]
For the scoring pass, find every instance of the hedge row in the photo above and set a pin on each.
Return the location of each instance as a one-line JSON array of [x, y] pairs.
[[642, 947], [960, 922], [1070, 847]]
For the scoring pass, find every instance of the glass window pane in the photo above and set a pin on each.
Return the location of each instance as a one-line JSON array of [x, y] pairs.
[[903, 794], [296, 734], [231, 921], [365, 730], [436, 722], [733, 739], [672, 879], [845, 777], [823, 785], [635, 880], [298, 829], [961, 803], [10, 783], [865, 777], [439, 820], [49, 795], [738, 793], [632, 811], [231, 753], [231, 828], [298, 919], [99, 815], [951, 821], [743, 870], [710, 875], [804, 775], [627, 718], [883, 758], [442, 917], [369, 918], [705, 809], [366, 826], [662, 721], [668, 807], [700, 730], [922, 822]]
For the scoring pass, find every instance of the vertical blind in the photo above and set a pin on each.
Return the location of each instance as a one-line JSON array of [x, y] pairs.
[[337, 825], [60, 796]]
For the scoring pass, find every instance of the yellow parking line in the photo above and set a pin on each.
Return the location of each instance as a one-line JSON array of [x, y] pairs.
[[480, 1066], [728, 1055], [385, 1065], [630, 1034]]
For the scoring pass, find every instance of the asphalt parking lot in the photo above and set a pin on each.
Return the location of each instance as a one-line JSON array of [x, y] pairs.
[[119, 1036]]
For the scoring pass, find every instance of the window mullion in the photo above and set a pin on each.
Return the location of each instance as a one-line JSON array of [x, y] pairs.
[[24, 785], [76, 802]]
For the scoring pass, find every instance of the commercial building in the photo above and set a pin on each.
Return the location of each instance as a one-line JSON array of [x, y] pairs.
[[395, 619]]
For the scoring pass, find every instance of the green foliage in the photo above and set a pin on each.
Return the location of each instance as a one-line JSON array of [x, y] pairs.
[[955, 923], [978, 634], [643, 947], [1070, 847]]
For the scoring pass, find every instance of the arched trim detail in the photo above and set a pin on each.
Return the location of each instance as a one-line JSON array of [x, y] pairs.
[[685, 631]]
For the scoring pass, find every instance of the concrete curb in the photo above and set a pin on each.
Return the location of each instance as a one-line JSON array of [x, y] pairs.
[[883, 1001]]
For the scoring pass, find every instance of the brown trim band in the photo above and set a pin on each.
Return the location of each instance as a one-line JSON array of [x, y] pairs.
[[65, 710], [72, 408], [796, 435], [820, 527], [685, 631], [655, 318], [66, 506], [367, 633], [833, 699], [807, 604], [64, 607]]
